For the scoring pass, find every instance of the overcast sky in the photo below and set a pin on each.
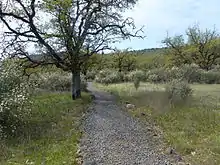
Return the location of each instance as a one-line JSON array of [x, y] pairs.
[[174, 16]]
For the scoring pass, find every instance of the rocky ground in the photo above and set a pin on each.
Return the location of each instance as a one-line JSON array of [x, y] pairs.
[[112, 137]]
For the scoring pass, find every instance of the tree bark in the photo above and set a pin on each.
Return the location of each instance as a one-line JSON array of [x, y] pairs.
[[76, 88]]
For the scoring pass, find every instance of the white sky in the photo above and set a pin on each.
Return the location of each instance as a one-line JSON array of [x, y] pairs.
[[174, 16]]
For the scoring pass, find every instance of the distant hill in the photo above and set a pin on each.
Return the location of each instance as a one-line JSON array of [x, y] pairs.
[[147, 52], [150, 51]]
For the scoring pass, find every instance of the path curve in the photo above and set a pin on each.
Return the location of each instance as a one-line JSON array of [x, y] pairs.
[[112, 137]]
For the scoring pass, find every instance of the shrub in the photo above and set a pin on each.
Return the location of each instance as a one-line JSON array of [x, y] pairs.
[[158, 75], [210, 77], [108, 77], [137, 74], [55, 81], [14, 97], [173, 73], [58, 81], [216, 68], [91, 75], [178, 92], [191, 73], [153, 78]]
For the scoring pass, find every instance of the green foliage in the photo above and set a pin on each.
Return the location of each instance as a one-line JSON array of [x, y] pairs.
[[204, 45], [124, 61], [177, 48], [72, 33], [152, 62], [36, 127], [178, 92], [201, 48], [193, 130], [52, 133], [95, 62]]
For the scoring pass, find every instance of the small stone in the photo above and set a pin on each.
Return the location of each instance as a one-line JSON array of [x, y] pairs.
[[143, 114], [79, 160], [155, 134], [179, 158], [172, 151], [193, 153], [78, 152], [130, 106], [93, 97]]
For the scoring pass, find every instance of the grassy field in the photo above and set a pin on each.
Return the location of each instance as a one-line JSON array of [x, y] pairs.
[[51, 135], [192, 129]]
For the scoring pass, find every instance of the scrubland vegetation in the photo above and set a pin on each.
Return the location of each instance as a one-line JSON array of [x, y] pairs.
[[39, 121], [181, 100], [177, 88]]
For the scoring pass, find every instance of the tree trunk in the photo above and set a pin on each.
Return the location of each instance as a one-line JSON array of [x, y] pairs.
[[76, 81]]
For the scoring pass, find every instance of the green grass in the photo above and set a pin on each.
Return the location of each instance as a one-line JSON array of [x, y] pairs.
[[192, 129], [51, 135]]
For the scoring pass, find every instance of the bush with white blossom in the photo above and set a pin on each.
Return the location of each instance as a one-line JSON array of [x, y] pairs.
[[14, 97], [57, 81]]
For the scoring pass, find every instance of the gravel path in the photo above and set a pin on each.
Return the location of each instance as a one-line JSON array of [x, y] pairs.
[[112, 137]]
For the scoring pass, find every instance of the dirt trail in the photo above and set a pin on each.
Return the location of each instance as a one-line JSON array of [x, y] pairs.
[[112, 137]]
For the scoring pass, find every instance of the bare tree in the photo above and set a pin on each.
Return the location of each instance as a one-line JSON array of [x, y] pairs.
[[65, 32]]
